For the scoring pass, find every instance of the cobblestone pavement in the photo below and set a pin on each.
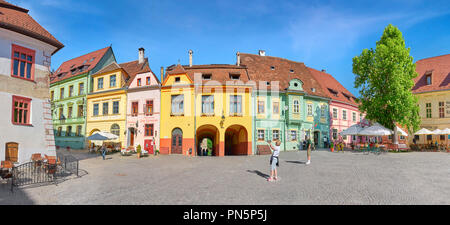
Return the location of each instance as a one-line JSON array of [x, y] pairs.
[[331, 178]]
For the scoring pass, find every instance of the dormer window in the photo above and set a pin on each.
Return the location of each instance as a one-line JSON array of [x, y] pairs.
[[268, 83], [428, 79], [335, 93], [292, 71], [295, 84], [347, 96], [92, 59], [313, 89], [235, 76], [206, 76], [272, 67], [73, 71], [177, 79]]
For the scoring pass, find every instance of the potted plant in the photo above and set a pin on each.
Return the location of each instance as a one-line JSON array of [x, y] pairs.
[[138, 151]]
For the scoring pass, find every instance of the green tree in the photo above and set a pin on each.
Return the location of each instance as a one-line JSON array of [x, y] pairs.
[[384, 77]]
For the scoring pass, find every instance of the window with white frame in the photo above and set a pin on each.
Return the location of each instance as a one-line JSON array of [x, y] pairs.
[[177, 104], [344, 114], [261, 136], [310, 110], [293, 135], [323, 111], [354, 116], [335, 113], [208, 104], [296, 106], [276, 135]]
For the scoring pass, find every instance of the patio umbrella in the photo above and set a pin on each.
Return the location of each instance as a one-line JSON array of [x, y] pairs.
[[403, 133], [375, 130], [424, 131], [102, 136], [352, 130]]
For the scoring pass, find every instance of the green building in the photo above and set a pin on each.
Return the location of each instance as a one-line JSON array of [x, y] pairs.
[[69, 86], [288, 103]]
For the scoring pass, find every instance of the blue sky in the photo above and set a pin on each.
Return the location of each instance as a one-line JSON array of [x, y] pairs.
[[322, 34]]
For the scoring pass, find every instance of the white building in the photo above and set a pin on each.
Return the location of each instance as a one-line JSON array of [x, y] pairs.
[[25, 58]]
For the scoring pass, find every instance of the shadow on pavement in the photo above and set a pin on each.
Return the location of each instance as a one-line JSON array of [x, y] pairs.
[[297, 162], [259, 173]]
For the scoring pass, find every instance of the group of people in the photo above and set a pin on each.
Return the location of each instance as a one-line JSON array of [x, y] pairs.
[[275, 162]]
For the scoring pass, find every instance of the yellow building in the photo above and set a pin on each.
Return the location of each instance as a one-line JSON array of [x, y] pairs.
[[432, 87], [206, 102], [106, 104]]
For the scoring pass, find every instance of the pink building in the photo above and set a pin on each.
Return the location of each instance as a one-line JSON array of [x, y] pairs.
[[344, 110], [143, 107]]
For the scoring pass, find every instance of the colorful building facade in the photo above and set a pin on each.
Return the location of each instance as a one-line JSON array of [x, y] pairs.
[[210, 102], [343, 108], [432, 87], [287, 101], [106, 105], [69, 87], [26, 49], [143, 107]]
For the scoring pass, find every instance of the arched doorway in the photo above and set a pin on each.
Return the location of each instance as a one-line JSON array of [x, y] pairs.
[[177, 141], [90, 134], [210, 135], [236, 140]]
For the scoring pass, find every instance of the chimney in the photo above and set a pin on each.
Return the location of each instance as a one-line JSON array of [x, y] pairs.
[[190, 57], [238, 55], [324, 71], [162, 74], [141, 55], [262, 53]]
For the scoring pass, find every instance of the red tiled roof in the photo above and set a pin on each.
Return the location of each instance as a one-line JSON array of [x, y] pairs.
[[89, 61], [439, 68], [16, 19], [219, 72], [332, 87], [268, 68], [133, 68]]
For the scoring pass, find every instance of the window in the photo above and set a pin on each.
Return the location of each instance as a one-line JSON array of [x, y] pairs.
[[52, 95], [335, 131], [61, 114], [292, 71], [276, 107], [100, 83], [112, 81], [260, 107], [335, 113], [310, 110], [208, 104], [344, 114], [22, 60], [81, 89], [148, 130], [69, 131], [276, 135], [206, 76], [116, 107], [70, 90], [59, 131], [353, 116], [428, 110], [149, 108], [177, 104], [177, 79], [235, 76], [139, 82], [147, 80], [69, 112], [95, 109], [428, 79], [134, 108], [105, 108], [235, 104], [261, 135], [293, 135], [80, 111], [441, 110], [296, 106], [323, 111], [61, 93], [442, 137], [115, 129], [272, 67], [21, 110], [78, 133]]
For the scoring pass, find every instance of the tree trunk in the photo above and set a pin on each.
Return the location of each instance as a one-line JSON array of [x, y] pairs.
[[395, 138]]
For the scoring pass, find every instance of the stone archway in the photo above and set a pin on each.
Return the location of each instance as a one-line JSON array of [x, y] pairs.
[[236, 141], [211, 133]]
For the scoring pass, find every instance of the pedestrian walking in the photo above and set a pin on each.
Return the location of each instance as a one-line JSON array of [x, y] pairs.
[[308, 152], [103, 151], [274, 161]]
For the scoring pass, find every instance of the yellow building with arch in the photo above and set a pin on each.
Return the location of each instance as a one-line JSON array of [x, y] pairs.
[[206, 101]]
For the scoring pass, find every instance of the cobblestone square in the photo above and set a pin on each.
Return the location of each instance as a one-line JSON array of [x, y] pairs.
[[332, 178]]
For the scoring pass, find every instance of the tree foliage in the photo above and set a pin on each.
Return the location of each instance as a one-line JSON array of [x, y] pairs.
[[384, 76]]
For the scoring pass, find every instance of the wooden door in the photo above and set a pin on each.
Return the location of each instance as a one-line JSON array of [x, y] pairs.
[[12, 152], [132, 137], [177, 142]]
